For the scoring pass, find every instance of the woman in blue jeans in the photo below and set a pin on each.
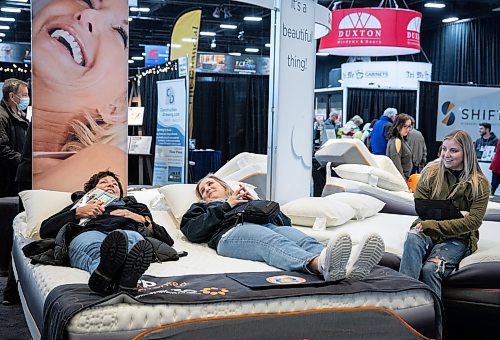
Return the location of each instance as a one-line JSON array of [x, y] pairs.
[[111, 245], [277, 243], [434, 247]]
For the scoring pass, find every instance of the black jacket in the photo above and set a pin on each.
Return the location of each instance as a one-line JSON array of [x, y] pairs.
[[202, 223], [12, 137], [60, 229]]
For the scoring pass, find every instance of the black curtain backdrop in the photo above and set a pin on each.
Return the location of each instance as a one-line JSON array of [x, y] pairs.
[[370, 104], [231, 114], [427, 115]]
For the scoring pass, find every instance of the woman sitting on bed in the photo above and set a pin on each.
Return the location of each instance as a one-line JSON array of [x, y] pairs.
[[434, 246], [111, 245], [278, 244]]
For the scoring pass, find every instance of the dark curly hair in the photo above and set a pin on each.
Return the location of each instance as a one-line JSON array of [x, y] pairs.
[[92, 182]]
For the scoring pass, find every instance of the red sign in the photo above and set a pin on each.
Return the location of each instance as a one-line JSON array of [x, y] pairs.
[[373, 32]]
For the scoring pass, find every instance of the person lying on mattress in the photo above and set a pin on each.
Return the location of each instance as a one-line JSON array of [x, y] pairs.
[[450, 198], [116, 244], [277, 243]]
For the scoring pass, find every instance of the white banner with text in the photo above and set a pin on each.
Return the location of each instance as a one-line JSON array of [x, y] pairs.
[[465, 107]]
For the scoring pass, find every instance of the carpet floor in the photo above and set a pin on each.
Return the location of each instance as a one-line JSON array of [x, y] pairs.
[[12, 323]]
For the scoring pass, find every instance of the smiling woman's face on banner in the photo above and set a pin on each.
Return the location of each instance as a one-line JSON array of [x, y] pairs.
[[80, 67]]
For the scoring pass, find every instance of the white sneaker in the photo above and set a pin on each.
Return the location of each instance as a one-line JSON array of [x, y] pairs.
[[335, 258], [368, 254]]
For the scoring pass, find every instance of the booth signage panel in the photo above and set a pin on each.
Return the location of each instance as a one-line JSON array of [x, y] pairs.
[[292, 101], [155, 55], [373, 32], [385, 74], [170, 149], [465, 107]]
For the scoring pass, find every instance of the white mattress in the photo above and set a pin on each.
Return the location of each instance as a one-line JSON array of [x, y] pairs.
[[398, 202], [127, 319]]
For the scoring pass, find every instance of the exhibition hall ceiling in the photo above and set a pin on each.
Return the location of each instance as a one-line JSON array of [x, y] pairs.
[[154, 27]]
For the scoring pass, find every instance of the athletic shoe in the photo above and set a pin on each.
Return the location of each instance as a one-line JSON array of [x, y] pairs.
[[336, 256], [368, 254], [138, 260], [113, 254]]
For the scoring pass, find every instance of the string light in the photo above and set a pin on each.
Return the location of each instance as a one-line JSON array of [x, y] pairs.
[[163, 68], [16, 68]]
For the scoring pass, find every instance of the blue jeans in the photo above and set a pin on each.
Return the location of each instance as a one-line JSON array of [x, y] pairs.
[[85, 249], [282, 247], [419, 249]]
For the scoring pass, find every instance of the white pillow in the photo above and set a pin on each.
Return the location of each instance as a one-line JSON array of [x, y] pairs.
[[179, 197], [364, 205], [371, 175], [41, 204], [304, 211]]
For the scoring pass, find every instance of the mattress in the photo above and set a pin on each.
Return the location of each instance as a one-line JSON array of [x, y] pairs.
[[396, 202], [404, 314]]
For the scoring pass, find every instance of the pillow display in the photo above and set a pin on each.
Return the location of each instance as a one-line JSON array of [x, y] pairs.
[[41, 204], [364, 205], [304, 211], [179, 197], [371, 175]]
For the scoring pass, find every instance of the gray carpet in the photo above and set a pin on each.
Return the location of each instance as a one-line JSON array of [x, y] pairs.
[[12, 323]]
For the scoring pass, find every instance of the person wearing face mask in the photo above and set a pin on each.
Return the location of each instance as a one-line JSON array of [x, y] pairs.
[[13, 127]]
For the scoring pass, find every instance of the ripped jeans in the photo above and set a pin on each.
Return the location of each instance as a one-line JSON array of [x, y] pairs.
[[419, 250]]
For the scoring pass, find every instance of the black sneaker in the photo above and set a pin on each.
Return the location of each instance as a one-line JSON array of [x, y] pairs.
[[113, 255], [138, 260]]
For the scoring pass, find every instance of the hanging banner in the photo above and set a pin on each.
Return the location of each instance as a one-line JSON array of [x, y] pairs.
[[291, 101], [155, 55], [373, 32], [465, 107], [79, 92], [184, 41], [171, 140]]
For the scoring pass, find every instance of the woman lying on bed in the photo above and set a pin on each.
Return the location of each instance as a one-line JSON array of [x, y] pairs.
[[277, 243], [111, 245]]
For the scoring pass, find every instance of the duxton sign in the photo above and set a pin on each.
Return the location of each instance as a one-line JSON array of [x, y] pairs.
[[373, 32], [385, 74], [465, 107]]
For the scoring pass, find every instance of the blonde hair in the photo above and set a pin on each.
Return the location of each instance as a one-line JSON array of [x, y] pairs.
[[226, 186], [471, 172]]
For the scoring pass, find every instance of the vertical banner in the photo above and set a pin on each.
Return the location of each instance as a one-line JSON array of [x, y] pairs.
[[184, 41], [465, 107], [80, 70], [291, 101], [170, 150]]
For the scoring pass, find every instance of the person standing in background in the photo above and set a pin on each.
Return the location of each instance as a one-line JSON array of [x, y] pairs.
[[418, 148], [398, 149], [380, 132], [13, 127], [495, 170], [331, 126], [487, 138]]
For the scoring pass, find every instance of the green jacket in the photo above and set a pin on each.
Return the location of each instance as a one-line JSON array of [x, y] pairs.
[[466, 228]]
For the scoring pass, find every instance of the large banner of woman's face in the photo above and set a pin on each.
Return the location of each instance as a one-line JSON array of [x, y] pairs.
[[80, 69]]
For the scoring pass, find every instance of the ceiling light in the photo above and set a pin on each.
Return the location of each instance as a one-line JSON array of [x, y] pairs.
[[19, 1], [213, 44], [236, 54], [251, 49], [241, 35], [130, 61], [7, 19], [267, 44], [2, 34], [434, 5], [10, 10], [175, 46], [450, 19], [322, 54], [3, 27], [189, 40], [252, 18], [129, 19], [143, 54], [139, 9], [209, 34], [228, 26], [496, 9], [137, 58]]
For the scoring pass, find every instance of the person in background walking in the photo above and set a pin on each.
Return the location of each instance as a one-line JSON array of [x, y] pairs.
[[495, 169], [379, 135], [416, 142]]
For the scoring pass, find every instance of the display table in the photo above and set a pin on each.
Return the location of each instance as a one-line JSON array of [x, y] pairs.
[[203, 162]]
